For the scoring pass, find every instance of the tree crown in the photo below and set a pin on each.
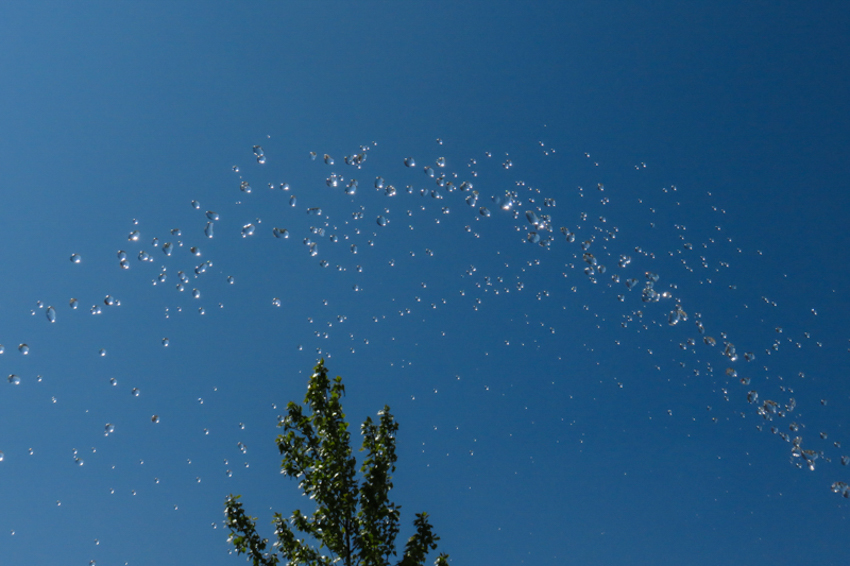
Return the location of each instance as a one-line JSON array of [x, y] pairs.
[[354, 519]]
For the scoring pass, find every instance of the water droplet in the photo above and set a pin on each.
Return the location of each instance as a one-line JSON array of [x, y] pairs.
[[276, 302], [102, 352], [429, 171], [230, 279], [357, 159], [134, 236], [75, 258], [167, 248], [258, 152], [379, 182], [155, 419], [196, 205], [410, 162], [333, 181], [165, 342], [382, 221], [247, 230], [441, 162], [196, 294], [2, 457], [135, 392], [113, 382], [108, 429], [315, 211], [14, 379], [110, 301], [74, 303], [328, 159], [202, 268], [23, 349], [209, 230], [245, 187], [293, 201], [51, 314], [841, 488], [354, 248], [145, 256], [483, 211]]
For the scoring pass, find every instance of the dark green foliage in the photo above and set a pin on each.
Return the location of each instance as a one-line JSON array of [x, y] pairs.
[[354, 519]]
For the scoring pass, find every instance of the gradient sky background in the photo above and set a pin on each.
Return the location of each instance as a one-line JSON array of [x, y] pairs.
[[543, 420]]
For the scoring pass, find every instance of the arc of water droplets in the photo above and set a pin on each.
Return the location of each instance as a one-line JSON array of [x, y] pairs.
[[538, 230]]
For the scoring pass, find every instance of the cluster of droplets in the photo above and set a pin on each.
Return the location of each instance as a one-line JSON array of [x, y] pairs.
[[589, 243]]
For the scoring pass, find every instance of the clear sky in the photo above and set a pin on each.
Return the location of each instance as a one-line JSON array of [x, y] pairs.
[[549, 413]]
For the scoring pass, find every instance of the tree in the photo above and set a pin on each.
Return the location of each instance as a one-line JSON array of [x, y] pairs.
[[354, 518]]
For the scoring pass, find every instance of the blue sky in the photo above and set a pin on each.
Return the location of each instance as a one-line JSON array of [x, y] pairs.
[[543, 419]]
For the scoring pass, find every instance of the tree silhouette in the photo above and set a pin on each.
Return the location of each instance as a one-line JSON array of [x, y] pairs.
[[354, 520]]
